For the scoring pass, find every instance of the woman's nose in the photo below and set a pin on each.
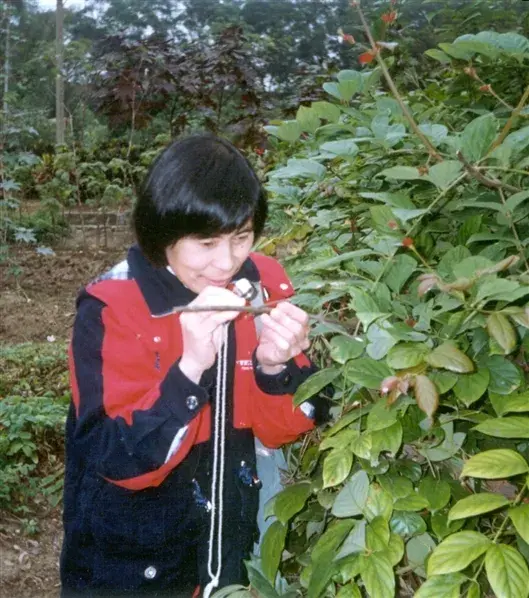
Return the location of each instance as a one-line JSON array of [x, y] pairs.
[[224, 257]]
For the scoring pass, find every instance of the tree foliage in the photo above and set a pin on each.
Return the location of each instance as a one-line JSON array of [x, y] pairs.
[[404, 219]]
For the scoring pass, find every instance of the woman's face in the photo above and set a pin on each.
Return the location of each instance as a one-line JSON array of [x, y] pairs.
[[199, 262]]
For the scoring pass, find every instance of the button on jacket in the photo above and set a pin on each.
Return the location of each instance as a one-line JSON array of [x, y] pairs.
[[138, 466]]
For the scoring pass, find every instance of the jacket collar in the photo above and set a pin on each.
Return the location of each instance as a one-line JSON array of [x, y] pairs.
[[162, 290]]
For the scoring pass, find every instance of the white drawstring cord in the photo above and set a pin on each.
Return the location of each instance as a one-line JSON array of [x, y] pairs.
[[217, 485]]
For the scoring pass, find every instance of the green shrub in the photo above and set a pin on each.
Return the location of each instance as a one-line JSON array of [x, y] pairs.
[[34, 387], [410, 234]]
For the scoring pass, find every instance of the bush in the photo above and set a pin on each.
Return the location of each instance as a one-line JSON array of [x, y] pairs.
[[405, 224], [34, 384]]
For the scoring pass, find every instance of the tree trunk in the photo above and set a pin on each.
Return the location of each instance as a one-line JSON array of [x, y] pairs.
[[7, 66], [59, 85]]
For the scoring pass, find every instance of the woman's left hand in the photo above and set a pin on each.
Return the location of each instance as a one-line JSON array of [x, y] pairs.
[[284, 334]]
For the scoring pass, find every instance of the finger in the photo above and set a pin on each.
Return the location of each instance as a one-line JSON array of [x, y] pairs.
[[217, 296], [299, 330], [277, 333], [294, 312]]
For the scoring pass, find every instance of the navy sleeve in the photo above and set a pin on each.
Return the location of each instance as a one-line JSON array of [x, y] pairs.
[[288, 381], [121, 449]]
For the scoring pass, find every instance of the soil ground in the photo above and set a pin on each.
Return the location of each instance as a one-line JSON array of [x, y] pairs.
[[37, 302]]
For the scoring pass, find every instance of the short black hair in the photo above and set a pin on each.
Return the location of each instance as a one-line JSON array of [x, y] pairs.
[[199, 186]]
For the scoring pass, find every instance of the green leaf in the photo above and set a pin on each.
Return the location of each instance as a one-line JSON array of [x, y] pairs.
[[327, 545], [502, 331], [395, 549], [377, 534], [307, 119], [512, 404], [478, 136], [378, 503], [327, 111], [514, 201], [476, 505], [413, 502], [495, 464], [291, 500], [323, 555], [406, 355], [340, 440], [314, 384], [468, 267], [441, 586], [505, 377], [426, 395], [344, 348], [289, 131], [436, 133], [444, 381], [343, 90], [302, 168], [367, 372], [352, 498], [343, 147], [456, 255], [403, 173], [395, 200], [505, 427], [349, 591], [377, 575], [474, 590], [401, 268], [407, 523], [493, 288], [436, 492], [443, 174], [355, 542], [396, 485], [471, 387], [507, 572], [520, 518], [438, 55], [417, 550], [447, 356], [381, 416], [387, 439], [259, 583], [272, 546], [336, 467], [362, 445], [457, 552]]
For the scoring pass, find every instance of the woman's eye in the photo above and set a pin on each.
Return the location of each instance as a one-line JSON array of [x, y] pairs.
[[241, 239], [207, 244]]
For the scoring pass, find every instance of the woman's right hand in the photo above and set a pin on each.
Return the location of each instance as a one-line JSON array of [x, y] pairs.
[[202, 331]]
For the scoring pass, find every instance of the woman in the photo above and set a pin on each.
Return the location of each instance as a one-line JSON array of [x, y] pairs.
[[161, 491]]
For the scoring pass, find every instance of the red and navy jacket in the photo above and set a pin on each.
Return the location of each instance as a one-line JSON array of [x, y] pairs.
[[138, 450], [127, 385]]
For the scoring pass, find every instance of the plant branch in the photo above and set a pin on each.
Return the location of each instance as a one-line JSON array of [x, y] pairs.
[[519, 245], [256, 311], [479, 176], [500, 530], [375, 49], [508, 125]]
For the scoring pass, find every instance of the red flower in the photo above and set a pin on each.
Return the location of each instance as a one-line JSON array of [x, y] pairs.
[[259, 151], [366, 57], [389, 17], [393, 225], [347, 37], [407, 242], [485, 88]]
